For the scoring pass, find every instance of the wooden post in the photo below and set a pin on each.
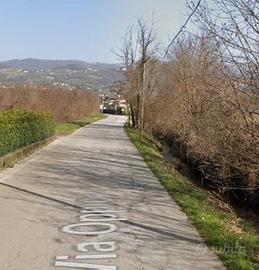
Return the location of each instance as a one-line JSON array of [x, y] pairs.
[[142, 96]]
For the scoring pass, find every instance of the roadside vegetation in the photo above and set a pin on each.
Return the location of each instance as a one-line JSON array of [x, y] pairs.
[[65, 105], [21, 128], [23, 132], [232, 238], [30, 114], [201, 95], [67, 128]]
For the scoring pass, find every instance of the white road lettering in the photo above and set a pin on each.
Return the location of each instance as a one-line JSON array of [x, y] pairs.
[[98, 246], [96, 256], [99, 217], [95, 218], [71, 229], [84, 265], [100, 211]]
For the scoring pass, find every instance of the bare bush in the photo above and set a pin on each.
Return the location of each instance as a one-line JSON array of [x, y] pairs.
[[200, 105], [204, 99], [65, 105]]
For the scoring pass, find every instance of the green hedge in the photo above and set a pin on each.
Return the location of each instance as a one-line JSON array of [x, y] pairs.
[[21, 128]]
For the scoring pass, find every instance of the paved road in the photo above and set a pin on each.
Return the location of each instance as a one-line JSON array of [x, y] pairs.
[[88, 201]]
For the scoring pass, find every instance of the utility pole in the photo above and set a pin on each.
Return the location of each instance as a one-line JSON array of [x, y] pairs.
[[142, 96]]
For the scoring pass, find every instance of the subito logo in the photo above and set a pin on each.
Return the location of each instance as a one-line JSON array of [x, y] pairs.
[[201, 249]]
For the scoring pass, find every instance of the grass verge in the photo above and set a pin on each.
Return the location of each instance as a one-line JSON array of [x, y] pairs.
[[234, 240], [70, 127]]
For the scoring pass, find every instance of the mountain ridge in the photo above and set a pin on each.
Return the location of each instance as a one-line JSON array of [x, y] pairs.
[[68, 73], [31, 63]]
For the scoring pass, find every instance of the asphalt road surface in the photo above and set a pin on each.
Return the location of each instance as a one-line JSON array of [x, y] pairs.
[[88, 201]]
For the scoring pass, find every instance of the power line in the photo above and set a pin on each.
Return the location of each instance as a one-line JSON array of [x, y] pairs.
[[181, 29]]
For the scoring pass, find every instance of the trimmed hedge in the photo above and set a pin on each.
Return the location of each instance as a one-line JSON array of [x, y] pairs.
[[21, 128]]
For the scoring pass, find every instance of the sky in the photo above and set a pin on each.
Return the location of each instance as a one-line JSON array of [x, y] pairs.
[[79, 29]]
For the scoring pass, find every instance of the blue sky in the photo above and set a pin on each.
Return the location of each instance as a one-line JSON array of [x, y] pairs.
[[78, 29]]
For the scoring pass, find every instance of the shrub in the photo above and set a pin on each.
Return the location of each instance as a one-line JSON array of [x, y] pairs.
[[21, 128], [210, 118], [64, 104]]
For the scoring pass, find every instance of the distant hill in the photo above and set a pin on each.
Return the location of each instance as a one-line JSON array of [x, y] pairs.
[[68, 73]]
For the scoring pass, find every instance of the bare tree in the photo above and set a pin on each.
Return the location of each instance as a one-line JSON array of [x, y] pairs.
[[138, 47], [128, 54], [148, 49]]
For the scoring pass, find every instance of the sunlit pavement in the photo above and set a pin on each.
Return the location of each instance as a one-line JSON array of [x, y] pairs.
[[88, 201]]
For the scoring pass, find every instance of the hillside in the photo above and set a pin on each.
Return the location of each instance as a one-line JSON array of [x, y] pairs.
[[65, 73]]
